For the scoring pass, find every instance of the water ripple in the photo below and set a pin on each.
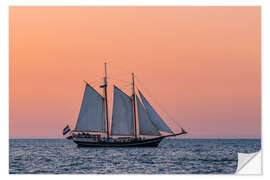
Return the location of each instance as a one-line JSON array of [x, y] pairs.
[[173, 156]]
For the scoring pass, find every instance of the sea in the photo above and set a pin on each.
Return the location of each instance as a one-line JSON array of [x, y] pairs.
[[172, 156]]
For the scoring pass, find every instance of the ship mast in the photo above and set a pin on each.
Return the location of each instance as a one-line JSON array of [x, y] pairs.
[[134, 106], [106, 100]]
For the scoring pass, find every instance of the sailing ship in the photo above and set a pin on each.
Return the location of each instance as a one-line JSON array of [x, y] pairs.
[[134, 122]]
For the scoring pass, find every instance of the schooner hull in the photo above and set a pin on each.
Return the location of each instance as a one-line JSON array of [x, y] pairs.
[[154, 142]]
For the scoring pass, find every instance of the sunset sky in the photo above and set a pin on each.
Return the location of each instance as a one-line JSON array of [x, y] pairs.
[[202, 65]]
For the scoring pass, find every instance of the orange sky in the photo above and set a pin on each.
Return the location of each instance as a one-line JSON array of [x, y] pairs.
[[200, 64]]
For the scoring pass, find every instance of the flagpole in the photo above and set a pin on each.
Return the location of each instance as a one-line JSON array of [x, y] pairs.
[[106, 100]]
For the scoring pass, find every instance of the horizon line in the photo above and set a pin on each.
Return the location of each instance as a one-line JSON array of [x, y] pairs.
[[167, 138]]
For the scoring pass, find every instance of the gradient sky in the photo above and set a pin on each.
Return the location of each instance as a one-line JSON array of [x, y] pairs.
[[202, 65]]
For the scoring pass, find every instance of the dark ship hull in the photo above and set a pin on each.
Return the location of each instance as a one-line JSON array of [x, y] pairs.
[[153, 142]]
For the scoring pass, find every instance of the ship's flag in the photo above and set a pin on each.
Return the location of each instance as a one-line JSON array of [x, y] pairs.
[[66, 130], [102, 86]]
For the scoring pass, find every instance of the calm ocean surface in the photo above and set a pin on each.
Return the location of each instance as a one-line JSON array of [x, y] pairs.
[[173, 156]]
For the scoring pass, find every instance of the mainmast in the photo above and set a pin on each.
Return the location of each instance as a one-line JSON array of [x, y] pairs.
[[106, 100], [134, 106]]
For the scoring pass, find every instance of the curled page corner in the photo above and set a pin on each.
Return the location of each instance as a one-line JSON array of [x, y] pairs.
[[249, 163]]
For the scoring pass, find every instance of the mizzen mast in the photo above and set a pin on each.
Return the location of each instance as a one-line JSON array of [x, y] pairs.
[[106, 101], [134, 106]]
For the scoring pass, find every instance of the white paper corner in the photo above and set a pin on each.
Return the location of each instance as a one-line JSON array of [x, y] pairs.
[[249, 163]]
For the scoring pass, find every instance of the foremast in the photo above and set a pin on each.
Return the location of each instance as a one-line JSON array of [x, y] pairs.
[[106, 101]]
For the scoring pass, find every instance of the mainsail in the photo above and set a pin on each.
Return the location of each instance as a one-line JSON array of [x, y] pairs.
[[92, 114], [122, 116], [146, 126], [156, 119]]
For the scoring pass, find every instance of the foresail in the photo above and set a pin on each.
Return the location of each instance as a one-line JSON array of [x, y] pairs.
[[122, 116], [92, 112], [146, 127], [156, 119]]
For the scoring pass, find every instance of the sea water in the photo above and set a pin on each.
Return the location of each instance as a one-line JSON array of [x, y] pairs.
[[172, 156]]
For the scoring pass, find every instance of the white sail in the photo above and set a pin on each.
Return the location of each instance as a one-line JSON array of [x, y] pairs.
[[146, 126], [92, 112], [156, 119], [122, 116]]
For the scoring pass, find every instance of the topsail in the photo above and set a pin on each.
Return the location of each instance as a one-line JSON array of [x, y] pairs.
[[92, 112]]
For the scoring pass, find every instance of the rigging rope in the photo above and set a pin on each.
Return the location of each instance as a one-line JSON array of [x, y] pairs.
[[120, 68], [119, 80], [161, 108], [99, 80], [120, 74]]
